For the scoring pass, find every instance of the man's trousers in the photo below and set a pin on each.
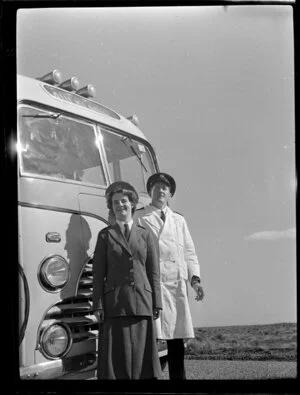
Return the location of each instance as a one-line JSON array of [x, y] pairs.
[[176, 359]]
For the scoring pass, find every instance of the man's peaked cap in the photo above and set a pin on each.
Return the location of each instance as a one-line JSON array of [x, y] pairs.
[[161, 177]]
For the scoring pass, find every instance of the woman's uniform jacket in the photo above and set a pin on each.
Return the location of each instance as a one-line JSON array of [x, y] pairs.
[[126, 273], [178, 264]]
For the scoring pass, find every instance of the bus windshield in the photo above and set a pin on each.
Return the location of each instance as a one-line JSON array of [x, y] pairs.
[[58, 146], [128, 159], [61, 148]]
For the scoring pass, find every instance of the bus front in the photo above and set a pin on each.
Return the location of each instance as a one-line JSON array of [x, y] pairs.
[[69, 148]]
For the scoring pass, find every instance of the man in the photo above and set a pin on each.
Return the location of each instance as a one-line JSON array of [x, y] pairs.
[[178, 266]]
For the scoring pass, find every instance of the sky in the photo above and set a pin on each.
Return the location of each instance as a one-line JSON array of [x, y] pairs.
[[213, 89]]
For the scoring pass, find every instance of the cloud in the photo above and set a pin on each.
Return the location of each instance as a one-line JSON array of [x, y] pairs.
[[273, 235]]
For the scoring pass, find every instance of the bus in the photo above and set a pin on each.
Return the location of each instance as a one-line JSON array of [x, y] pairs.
[[69, 149]]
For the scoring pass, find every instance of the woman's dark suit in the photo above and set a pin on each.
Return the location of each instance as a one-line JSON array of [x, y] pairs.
[[126, 285]]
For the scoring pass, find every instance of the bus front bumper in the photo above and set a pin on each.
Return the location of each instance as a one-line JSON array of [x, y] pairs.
[[80, 369]]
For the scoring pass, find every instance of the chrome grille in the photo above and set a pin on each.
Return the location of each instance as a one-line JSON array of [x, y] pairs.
[[77, 313]]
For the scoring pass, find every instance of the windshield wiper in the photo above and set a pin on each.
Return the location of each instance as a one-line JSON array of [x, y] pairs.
[[134, 151], [52, 116], [139, 158]]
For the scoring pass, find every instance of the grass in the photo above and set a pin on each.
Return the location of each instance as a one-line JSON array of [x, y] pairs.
[[273, 342]]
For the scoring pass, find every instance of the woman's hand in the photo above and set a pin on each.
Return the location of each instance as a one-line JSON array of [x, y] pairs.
[[155, 313], [99, 313]]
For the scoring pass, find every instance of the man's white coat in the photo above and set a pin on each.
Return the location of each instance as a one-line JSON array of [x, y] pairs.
[[178, 263]]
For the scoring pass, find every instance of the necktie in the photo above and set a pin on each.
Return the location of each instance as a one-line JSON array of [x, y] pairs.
[[163, 216], [126, 231]]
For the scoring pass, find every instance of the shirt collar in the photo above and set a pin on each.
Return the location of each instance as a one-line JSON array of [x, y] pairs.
[[158, 209], [122, 223]]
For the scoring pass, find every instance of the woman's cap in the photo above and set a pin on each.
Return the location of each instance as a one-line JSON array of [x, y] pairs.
[[119, 186], [161, 177]]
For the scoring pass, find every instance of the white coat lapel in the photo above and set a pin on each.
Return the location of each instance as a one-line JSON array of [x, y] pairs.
[[167, 229], [153, 220]]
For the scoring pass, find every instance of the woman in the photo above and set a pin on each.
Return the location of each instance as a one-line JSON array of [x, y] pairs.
[[126, 291]]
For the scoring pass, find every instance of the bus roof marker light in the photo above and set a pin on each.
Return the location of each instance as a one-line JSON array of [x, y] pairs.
[[52, 78], [134, 119], [71, 84], [87, 91]]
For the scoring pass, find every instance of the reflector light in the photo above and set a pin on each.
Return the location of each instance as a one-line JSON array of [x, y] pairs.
[[71, 84], [52, 78], [87, 91], [133, 119]]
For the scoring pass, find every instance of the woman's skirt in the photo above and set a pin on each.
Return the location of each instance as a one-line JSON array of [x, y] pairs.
[[128, 349]]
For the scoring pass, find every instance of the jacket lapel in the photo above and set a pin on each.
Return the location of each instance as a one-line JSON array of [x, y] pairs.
[[134, 237], [117, 235]]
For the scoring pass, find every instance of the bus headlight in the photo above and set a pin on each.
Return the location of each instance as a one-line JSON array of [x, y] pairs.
[[54, 273], [55, 341]]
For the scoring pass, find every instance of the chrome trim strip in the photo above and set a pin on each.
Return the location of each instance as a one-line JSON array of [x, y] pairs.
[[24, 174], [103, 154], [81, 272], [62, 210]]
